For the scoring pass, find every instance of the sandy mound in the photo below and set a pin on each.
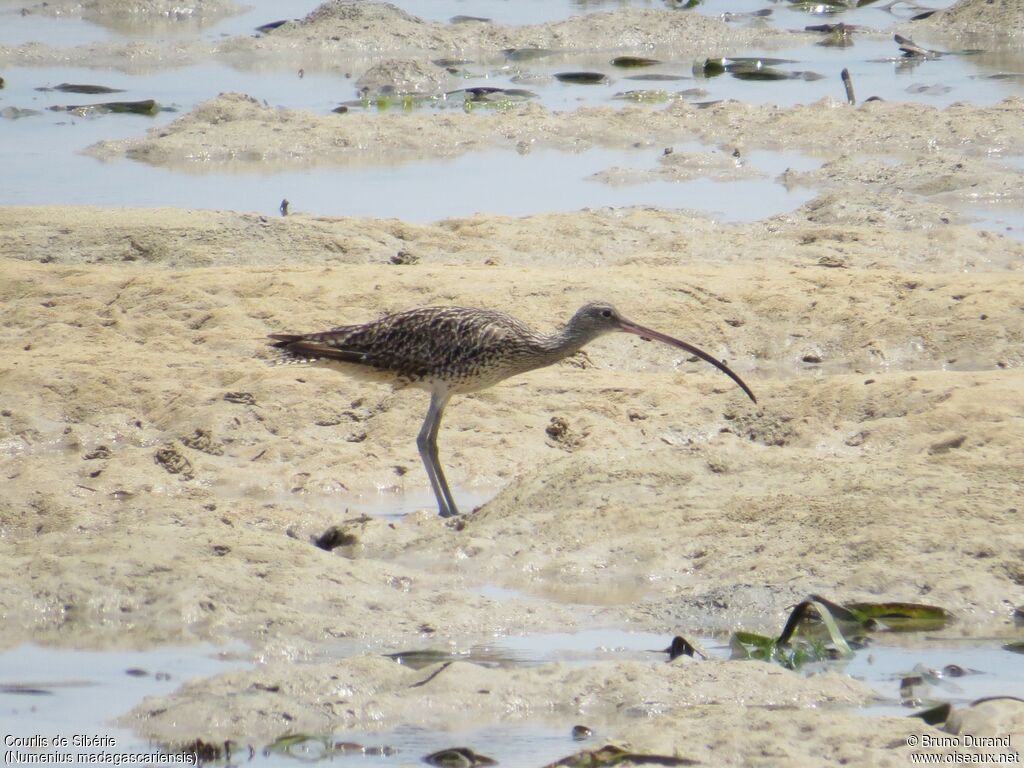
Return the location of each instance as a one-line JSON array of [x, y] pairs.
[[382, 27], [351, 33], [236, 129], [374, 693], [983, 18], [141, 16]]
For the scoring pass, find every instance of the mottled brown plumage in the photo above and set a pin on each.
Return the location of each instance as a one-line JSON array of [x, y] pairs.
[[470, 349], [455, 350]]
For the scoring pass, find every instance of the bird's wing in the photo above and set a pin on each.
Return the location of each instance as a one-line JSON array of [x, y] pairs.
[[411, 344], [301, 347]]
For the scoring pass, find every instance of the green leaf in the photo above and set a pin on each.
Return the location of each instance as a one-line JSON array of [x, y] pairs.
[[633, 61], [748, 645], [901, 617], [289, 743], [800, 614]]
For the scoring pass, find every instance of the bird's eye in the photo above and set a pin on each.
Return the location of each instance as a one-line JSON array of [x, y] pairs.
[[606, 313]]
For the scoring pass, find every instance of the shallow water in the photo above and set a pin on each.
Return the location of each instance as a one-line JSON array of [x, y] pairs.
[[1007, 219], [991, 671], [584, 647], [498, 182], [875, 66], [385, 504], [42, 156], [53, 693], [525, 746], [396, 505]]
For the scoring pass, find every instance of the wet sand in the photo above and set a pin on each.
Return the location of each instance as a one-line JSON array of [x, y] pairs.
[[163, 483]]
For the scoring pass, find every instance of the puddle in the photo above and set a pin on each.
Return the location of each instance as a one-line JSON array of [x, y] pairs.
[[875, 64], [876, 70], [799, 15], [389, 505], [494, 592], [177, 90], [505, 183], [43, 151], [992, 671], [396, 505], [989, 669], [56, 694], [577, 648], [518, 746], [495, 182], [510, 183], [52, 694], [47, 695], [1006, 220], [584, 647]]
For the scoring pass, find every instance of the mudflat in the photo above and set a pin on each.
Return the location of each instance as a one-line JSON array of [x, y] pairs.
[[163, 484]]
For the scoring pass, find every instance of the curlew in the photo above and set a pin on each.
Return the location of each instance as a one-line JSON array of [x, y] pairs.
[[456, 350]]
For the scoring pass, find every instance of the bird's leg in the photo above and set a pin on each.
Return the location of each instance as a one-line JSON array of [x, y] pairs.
[[427, 456], [442, 480], [426, 441]]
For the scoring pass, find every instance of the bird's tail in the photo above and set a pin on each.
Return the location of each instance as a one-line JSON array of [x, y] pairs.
[[282, 354], [282, 340], [309, 348]]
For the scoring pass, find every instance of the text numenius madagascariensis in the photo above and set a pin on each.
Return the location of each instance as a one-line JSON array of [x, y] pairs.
[[456, 350]]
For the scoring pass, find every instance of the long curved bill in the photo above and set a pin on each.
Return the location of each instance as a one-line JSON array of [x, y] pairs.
[[648, 334]]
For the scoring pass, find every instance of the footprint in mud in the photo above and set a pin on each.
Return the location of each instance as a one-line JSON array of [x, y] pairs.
[[561, 435], [171, 459], [771, 429], [202, 440]]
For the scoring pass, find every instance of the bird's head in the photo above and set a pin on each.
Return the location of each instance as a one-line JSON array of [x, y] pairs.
[[599, 317], [595, 319]]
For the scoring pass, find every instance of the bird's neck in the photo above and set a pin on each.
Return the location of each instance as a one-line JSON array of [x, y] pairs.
[[560, 345]]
